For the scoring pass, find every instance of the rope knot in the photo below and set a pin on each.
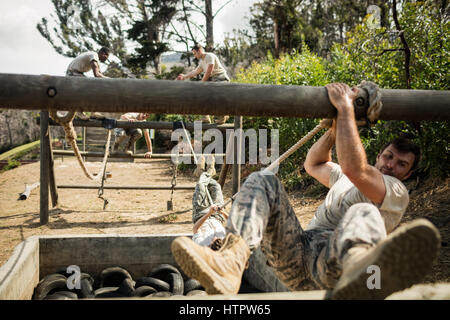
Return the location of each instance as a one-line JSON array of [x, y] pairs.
[[374, 103]]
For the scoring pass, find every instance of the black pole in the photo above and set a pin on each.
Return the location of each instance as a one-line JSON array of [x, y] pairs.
[[44, 170]]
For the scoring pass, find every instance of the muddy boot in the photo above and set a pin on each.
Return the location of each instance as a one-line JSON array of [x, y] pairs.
[[129, 147], [200, 167], [221, 119], [219, 272], [401, 260], [210, 168]]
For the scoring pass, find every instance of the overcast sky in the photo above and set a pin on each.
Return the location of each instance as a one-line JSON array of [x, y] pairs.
[[23, 50]]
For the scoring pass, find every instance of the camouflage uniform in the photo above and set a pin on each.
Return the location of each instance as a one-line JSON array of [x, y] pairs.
[[219, 78], [258, 274], [200, 201], [223, 77], [263, 217]]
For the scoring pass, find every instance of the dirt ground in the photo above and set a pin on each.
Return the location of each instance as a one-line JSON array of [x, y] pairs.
[[145, 212]]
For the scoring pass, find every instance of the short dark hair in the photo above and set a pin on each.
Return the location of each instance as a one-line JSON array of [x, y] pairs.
[[105, 50], [197, 47], [405, 145]]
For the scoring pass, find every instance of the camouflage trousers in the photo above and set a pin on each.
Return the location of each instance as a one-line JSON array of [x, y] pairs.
[[264, 218], [258, 274], [219, 78], [133, 134], [200, 199]]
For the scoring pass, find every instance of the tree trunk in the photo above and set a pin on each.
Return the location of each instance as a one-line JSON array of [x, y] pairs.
[[405, 46], [276, 38], [209, 25]]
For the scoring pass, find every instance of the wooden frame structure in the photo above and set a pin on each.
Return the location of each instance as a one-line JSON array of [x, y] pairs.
[[44, 92], [47, 175]]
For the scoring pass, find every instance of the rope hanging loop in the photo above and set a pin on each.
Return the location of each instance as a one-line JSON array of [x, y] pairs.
[[71, 137], [368, 104]]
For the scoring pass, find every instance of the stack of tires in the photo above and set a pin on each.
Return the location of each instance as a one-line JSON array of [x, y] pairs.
[[116, 282]]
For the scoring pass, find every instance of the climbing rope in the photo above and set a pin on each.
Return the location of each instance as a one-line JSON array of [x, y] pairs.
[[196, 160], [324, 123], [173, 182], [101, 189], [71, 138]]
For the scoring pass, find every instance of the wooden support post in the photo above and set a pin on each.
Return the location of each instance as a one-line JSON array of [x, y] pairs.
[[44, 168], [237, 155], [51, 172], [226, 166]]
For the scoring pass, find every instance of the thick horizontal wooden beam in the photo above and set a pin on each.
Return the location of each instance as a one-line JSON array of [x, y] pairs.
[[37, 92]]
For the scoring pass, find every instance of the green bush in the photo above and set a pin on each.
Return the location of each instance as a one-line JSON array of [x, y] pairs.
[[367, 54], [12, 163], [427, 36], [305, 69]]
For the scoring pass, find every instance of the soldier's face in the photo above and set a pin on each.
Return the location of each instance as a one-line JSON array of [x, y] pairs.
[[197, 54], [395, 163], [103, 56]]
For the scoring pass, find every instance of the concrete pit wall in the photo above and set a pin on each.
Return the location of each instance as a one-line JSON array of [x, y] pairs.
[[39, 256]]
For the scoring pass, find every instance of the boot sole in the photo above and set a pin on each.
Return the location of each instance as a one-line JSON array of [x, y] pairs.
[[404, 259], [195, 268]]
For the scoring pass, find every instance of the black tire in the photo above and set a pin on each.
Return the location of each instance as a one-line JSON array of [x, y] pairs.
[[88, 277], [62, 295], [162, 271], [158, 284], [109, 295], [86, 290], [176, 283], [103, 292], [50, 284], [112, 277], [192, 284], [197, 292], [144, 291], [126, 287]]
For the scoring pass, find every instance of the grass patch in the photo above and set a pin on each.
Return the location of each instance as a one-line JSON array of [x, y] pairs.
[[12, 163], [169, 218], [19, 151]]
